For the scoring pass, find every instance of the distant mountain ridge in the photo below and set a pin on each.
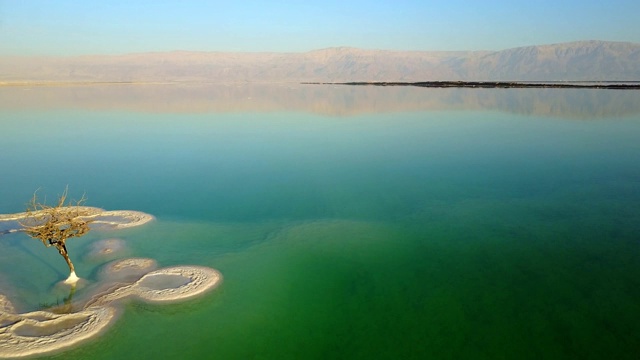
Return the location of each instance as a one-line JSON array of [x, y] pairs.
[[574, 61]]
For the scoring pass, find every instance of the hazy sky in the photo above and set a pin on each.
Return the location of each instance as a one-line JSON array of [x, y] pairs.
[[111, 27]]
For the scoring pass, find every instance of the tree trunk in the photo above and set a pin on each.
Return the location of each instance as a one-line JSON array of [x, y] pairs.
[[63, 251]]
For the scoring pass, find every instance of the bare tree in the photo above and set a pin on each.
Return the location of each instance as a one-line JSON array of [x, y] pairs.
[[53, 225]]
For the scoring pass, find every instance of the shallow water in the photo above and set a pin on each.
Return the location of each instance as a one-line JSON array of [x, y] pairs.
[[347, 222]]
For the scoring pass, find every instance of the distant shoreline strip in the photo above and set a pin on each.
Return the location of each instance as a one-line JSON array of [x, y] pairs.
[[615, 85], [620, 85]]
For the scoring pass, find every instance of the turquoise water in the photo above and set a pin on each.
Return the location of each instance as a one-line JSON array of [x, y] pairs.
[[467, 224]]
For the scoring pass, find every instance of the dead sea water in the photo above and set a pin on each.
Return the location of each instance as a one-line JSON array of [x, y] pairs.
[[352, 223]]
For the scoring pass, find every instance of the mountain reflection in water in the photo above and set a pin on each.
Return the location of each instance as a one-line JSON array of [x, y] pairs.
[[333, 100]]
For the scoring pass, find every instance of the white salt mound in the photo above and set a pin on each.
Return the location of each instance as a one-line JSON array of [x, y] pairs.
[[43, 332]]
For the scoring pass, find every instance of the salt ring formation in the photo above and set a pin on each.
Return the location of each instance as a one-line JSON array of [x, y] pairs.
[[100, 219], [44, 332]]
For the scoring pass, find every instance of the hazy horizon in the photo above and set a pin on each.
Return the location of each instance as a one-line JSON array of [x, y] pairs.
[[67, 28], [576, 61], [338, 47]]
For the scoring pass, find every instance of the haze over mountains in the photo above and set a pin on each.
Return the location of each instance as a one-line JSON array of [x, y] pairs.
[[575, 61]]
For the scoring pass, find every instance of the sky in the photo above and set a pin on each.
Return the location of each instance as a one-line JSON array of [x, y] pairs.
[[65, 28]]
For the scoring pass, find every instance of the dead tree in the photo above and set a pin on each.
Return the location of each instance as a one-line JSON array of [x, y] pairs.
[[53, 225]]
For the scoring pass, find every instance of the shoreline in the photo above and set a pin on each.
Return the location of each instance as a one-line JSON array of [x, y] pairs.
[[612, 85], [569, 84]]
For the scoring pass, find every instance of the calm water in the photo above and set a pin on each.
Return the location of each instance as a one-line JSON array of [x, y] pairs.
[[349, 223]]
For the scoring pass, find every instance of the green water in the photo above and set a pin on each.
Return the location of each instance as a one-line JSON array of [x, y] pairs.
[[508, 230]]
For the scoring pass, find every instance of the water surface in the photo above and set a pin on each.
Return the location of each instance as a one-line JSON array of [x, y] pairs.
[[387, 223]]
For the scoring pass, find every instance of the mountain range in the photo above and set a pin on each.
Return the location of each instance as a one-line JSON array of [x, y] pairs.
[[575, 61]]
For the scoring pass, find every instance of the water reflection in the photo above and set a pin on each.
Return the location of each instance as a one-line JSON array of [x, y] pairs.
[[333, 100], [476, 219]]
